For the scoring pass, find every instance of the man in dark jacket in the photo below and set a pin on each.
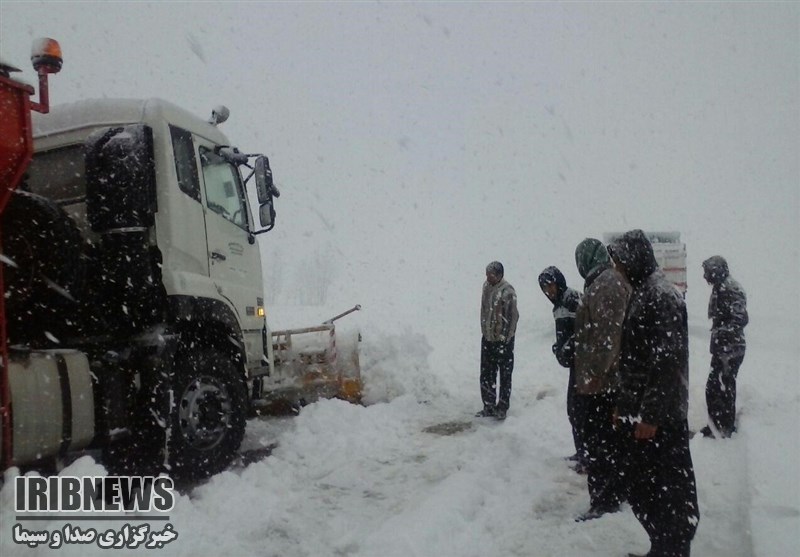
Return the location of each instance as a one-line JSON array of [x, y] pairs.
[[598, 333], [653, 399], [727, 309], [499, 318], [565, 301]]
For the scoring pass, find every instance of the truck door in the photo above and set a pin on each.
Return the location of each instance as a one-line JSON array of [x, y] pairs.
[[234, 262]]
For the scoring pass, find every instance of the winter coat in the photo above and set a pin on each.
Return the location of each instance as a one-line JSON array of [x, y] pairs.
[[499, 312], [727, 307], [654, 354], [598, 330], [564, 307]]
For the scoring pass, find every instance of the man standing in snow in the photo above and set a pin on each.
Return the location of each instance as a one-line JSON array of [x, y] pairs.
[[598, 333], [565, 301], [653, 399], [727, 310], [498, 325]]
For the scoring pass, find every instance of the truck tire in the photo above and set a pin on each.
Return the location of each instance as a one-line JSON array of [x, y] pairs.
[[206, 422], [47, 276]]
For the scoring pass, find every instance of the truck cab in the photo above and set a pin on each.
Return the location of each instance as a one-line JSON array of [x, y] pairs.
[[132, 245], [183, 194]]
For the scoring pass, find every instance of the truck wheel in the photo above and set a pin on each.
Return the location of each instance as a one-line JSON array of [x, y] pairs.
[[207, 417]]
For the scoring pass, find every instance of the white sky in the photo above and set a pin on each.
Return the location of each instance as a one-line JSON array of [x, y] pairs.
[[419, 141]]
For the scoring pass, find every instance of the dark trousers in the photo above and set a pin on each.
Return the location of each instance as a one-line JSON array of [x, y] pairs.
[[575, 414], [497, 359], [662, 490], [721, 388], [603, 448]]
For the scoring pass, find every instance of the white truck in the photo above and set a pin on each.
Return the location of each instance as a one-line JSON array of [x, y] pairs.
[[134, 318], [670, 254]]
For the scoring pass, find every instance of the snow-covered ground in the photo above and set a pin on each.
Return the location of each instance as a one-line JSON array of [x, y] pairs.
[[413, 473]]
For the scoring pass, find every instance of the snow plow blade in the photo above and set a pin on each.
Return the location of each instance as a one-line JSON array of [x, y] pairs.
[[313, 363]]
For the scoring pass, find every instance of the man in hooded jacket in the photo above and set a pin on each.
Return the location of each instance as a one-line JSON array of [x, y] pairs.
[[598, 333], [653, 399], [499, 318], [727, 309], [565, 301]]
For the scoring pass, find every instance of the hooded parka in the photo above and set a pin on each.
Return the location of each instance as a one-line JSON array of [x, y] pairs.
[[727, 309], [598, 319], [654, 376], [654, 356], [564, 307]]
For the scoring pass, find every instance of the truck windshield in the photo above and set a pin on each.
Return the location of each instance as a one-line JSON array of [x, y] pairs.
[[223, 188]]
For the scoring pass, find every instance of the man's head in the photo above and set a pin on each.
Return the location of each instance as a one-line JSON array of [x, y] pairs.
[[633, 256], [589, 255], [494, 272], [715, 269], [552, 283]]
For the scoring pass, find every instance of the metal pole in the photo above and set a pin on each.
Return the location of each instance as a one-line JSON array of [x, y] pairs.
[[348, 312]]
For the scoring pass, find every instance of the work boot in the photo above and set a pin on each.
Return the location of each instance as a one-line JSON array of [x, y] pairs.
[[500, 413], [706, 431], [596, 511], [487, 412]]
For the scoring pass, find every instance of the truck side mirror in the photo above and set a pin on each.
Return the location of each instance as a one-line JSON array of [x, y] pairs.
[[264, 185], [266, 214]]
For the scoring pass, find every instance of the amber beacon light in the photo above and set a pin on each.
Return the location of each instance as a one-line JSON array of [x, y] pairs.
[[46, 56]]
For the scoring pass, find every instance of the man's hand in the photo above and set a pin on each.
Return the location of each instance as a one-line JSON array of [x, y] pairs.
[[589, 386], [644, 431]]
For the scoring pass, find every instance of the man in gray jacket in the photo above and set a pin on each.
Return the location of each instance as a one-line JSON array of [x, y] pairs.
[[498, 325], [598, 335]]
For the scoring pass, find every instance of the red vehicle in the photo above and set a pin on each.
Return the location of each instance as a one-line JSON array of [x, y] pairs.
[[16, 150]]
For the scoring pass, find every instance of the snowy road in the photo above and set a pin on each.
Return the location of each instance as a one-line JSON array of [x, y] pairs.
[[417, 475], [388, 487]]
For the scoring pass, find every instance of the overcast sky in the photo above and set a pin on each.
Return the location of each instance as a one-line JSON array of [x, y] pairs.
[[419, 141]]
